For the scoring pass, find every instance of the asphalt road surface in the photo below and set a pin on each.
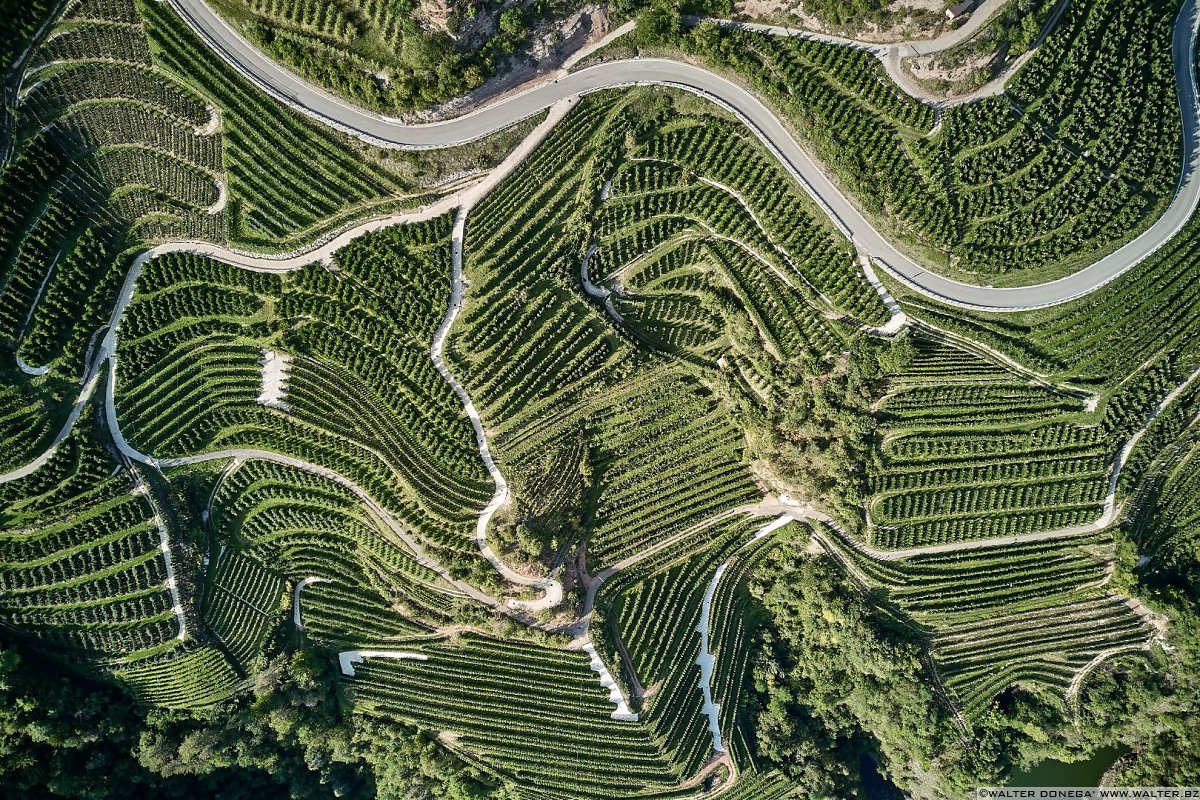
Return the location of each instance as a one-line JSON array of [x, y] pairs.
[[294, 91]]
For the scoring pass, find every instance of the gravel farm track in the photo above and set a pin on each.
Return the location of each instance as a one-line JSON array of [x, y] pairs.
[[559, 93]]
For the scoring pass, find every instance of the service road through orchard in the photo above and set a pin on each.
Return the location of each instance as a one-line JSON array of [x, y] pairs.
[[559, 95], [461, 202], [389, 132]]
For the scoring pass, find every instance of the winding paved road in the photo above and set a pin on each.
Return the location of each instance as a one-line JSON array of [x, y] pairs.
[[559, 95], [390, 132], [892, 55]]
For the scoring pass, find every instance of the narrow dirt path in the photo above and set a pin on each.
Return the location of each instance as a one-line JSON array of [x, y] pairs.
[[383, 131], [164, 545], [298, 260], [296, 620], [552, 589]]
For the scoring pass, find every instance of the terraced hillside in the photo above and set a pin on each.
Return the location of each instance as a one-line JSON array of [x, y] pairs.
[[358, 393], [582, 371], [123, 140], [352, 582], [963, 439], [1025, 614], [1077, 155], [1105, 339], [90, 570], [527, 711], [591, 459], [1167, 530]]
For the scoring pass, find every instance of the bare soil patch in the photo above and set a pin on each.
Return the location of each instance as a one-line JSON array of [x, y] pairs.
[[907, 19], [554, 41], [933, 68]]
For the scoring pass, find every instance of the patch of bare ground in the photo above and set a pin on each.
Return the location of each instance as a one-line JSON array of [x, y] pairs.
[[1159, 622], [553, 42], [639, 691], [765, 477], [719, 768], [933, 69], [436, 13], [906, 20]]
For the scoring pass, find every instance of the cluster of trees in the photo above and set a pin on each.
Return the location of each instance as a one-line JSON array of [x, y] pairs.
[[820, 435], [1006, 36], [387, 58], [839, 680], [1159, 698], [426, 70], [287, 738], [1158, 701]]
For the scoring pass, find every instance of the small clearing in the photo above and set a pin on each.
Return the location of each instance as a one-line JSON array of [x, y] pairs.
[[274, 379], [615, 695], [906, 19], [348, 658]]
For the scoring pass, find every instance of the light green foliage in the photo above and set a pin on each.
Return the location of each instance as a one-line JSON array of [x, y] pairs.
[[657, 24], [511, 22], [663, 335], [1042, 179], [363, 397]]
